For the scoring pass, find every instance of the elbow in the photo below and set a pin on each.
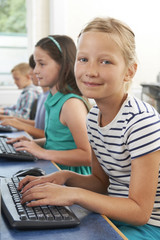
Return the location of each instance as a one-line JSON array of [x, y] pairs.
[[142, 219]]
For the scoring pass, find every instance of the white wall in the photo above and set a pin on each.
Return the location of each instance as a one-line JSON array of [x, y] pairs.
[[143, 16], [8, 96], [69, 17], [37, 21]]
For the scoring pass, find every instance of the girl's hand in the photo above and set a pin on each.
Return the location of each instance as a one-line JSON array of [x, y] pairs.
[[14, 123], [31, 147], [31, 181], [4, 116], [49, 194], [18, 139]]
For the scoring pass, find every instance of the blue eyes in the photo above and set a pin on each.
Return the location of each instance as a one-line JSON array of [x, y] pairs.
[[41, 64], [84, 60], [106, 62]]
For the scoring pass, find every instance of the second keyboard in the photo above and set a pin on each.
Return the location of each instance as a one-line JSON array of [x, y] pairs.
[[8, 151]]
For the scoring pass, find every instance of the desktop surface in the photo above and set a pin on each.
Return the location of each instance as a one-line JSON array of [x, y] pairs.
[[92, 226]]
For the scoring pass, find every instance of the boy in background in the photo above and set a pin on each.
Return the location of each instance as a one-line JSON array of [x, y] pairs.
[[27, 97], [35, 127]]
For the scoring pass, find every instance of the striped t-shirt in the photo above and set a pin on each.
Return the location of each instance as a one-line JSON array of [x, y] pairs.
[[134, 132]]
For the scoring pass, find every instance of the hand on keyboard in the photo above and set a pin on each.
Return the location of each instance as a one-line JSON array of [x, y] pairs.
[[14, 123], [7, 151], [18, 139], [43, 190], [31, 147], [27, 182], [49, 194], [22, 216]]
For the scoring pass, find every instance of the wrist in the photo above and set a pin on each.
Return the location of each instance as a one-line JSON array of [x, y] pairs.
[[66, 176], [77, 195]]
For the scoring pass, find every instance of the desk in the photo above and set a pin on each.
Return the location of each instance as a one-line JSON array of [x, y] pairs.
[[92, 226]]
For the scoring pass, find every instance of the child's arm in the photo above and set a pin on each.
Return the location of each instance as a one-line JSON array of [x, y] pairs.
[[28, 121], [97, 182], [136, 209], [73, 115], [26, 126], [8, 111], [15, 121], [3, 117]]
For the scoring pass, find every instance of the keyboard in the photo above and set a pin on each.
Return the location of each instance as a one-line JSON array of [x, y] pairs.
[[7, 128], [8, 151], [22, 217]]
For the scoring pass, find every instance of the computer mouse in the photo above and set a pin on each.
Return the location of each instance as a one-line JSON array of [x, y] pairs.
[[30, 171]]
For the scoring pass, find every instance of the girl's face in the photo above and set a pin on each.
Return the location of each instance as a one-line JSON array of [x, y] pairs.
[[46, 69], [100, 68]]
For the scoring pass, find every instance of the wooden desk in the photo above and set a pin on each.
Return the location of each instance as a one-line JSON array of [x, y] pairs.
[[92, 226]]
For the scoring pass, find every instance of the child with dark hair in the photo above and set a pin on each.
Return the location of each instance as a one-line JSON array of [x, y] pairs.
[[66, 142]]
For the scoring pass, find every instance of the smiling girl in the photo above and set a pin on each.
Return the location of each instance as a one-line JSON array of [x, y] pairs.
[[124, 136], [66, 142]]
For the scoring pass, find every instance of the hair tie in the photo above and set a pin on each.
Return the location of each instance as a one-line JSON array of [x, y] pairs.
[[56, 43]]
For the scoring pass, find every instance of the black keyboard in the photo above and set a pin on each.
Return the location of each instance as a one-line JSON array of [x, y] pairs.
[[8, 151], [23, 217], [7, 128]]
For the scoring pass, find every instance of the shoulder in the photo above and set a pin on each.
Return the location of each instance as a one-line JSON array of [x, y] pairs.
[[65, 97], [141, 126], [29, 87], [135, 110], [73, 111], [70, 99], [137, 105], [74, 102]]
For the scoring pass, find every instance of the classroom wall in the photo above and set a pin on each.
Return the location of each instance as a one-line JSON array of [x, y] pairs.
[[8, 96], [69, 17]]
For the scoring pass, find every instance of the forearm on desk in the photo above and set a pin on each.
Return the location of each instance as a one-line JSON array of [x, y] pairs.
[[27, 121], [35, 132], [74, 157]]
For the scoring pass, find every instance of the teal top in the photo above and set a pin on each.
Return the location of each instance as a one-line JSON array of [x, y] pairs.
[[58, 136]]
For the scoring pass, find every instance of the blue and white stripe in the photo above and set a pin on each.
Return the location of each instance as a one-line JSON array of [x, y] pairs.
[[134, 132]]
